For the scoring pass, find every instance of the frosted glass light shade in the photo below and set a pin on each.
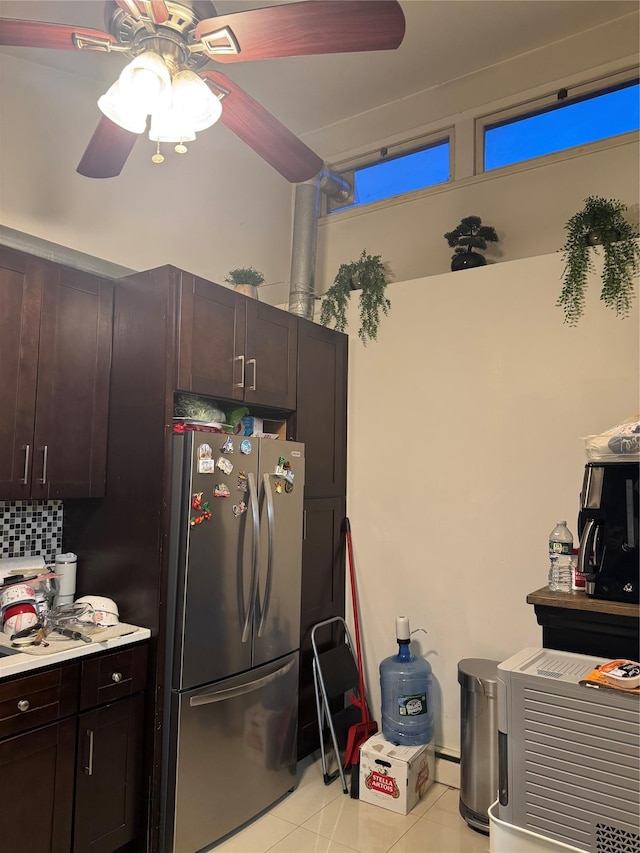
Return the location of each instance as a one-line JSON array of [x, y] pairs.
[[195, 100], [170, 126], [119, 110], [147, 82]]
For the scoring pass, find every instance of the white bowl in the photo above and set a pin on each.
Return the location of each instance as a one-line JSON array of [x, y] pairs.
[[101, 610]]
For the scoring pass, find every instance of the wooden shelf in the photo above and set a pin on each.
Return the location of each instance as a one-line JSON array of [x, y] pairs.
[[574, 622], [578, 600]]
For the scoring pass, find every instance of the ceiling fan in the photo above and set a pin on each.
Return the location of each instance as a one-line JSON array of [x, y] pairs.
[[172, 42]]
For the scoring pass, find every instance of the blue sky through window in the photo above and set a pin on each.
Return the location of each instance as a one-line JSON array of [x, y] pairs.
[[402, 174], [600, 117]]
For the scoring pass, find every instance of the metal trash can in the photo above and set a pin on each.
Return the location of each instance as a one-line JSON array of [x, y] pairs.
[[478, 740]]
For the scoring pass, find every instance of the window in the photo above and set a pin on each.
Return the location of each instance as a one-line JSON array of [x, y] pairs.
[[394, 175], [564, 125]]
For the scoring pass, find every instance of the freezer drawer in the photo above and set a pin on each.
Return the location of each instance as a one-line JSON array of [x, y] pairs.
[[234, 744]]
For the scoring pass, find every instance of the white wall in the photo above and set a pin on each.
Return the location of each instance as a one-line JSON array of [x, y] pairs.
[[215, 208], [465, 426]]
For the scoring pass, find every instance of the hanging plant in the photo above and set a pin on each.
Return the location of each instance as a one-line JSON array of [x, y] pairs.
[[369, 276], [601, 222]]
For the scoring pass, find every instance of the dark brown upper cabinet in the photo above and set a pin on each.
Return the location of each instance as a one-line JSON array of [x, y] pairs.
[[321, 413], [235, 347], [55, 355]]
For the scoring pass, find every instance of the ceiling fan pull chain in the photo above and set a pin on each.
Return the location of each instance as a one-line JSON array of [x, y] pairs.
[[157, 157], [181, 148]]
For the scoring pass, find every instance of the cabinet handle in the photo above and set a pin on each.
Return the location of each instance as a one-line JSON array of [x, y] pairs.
[[117, 677], [240, 384], [25, 474], [89, 768], [23, 705], [45, 458], [252, 361]]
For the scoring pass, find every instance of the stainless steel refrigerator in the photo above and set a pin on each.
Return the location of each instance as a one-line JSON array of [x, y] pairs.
[[233, 631]]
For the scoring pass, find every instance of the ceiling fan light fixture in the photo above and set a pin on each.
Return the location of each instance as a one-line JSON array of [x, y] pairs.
[[146, 80], [193, 99], [170, 126], [120, 111]]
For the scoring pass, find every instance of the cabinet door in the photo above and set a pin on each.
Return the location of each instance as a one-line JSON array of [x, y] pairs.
[[321, 413], [235, 348], [72, 400], [55, 354], [323, 596], [20, 304], [270, 356], [108, 807], [212, 333], [36, 806]]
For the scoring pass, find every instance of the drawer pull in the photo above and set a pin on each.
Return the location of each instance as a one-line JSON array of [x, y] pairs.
[[117, 677], [23, 705]]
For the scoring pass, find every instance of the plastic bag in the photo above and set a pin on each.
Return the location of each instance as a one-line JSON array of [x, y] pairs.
[[621, 443]]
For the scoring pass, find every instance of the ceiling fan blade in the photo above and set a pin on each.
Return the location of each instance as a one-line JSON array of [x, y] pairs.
[[107, 150], [304, 29], [262, 132], [39, 34], [152, 10]]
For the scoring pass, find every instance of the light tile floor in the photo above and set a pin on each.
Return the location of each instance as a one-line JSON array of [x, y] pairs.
[[319, 818]]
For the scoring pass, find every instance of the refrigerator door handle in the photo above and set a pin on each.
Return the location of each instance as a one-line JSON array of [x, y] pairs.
[[255, 524], [232, 692], [268, 493]]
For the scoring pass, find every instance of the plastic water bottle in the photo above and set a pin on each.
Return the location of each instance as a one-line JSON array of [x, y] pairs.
[[560, 558], [407, 703]]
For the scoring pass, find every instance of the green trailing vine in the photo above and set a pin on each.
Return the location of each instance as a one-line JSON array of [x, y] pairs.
[[368, 275], [600, 223]]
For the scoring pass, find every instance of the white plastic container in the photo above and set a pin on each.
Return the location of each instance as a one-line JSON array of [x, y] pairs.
[[506, 838]]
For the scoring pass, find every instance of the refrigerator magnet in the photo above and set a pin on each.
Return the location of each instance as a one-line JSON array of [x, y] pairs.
[[242, 481], [245, 446], [224, 465], [278, 487], [205, 452], [238, 509], [222, 491], [288, 487], [202, 507], [227, 447]]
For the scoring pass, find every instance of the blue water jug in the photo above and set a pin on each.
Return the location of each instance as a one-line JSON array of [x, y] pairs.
[[407, 696]]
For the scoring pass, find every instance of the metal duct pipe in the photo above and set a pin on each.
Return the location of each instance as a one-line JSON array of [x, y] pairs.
[[305, 234]]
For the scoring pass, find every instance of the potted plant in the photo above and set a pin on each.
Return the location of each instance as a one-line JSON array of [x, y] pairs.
[[246, 280], [601, 222], [470, 234], [368, 275]]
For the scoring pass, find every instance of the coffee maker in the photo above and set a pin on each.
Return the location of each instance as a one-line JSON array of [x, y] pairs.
[[608, 530]]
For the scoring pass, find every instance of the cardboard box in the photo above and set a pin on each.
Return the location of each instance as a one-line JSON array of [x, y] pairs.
[[259, 427], [395, 777]]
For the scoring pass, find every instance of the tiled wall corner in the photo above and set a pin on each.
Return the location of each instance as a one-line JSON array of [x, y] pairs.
[[31, 529]]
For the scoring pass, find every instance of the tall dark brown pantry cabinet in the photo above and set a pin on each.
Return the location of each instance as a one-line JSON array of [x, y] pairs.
[[174, 331], [55, 351], [321, 423]]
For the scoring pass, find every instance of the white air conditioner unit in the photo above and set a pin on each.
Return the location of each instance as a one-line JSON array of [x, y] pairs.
[[569, 755]]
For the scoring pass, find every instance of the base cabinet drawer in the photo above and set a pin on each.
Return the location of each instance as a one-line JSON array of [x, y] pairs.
[[109, 776], [36, 806]]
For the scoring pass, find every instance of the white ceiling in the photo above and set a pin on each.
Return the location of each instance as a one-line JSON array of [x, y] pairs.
[[444, 40]]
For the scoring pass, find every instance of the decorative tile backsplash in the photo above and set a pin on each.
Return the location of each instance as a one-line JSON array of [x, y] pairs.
[[31, 529]]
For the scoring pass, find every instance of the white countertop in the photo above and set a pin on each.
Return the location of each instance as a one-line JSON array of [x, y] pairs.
[[21, 662]]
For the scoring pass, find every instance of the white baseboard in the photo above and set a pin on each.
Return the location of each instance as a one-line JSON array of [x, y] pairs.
[[447, 772]]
